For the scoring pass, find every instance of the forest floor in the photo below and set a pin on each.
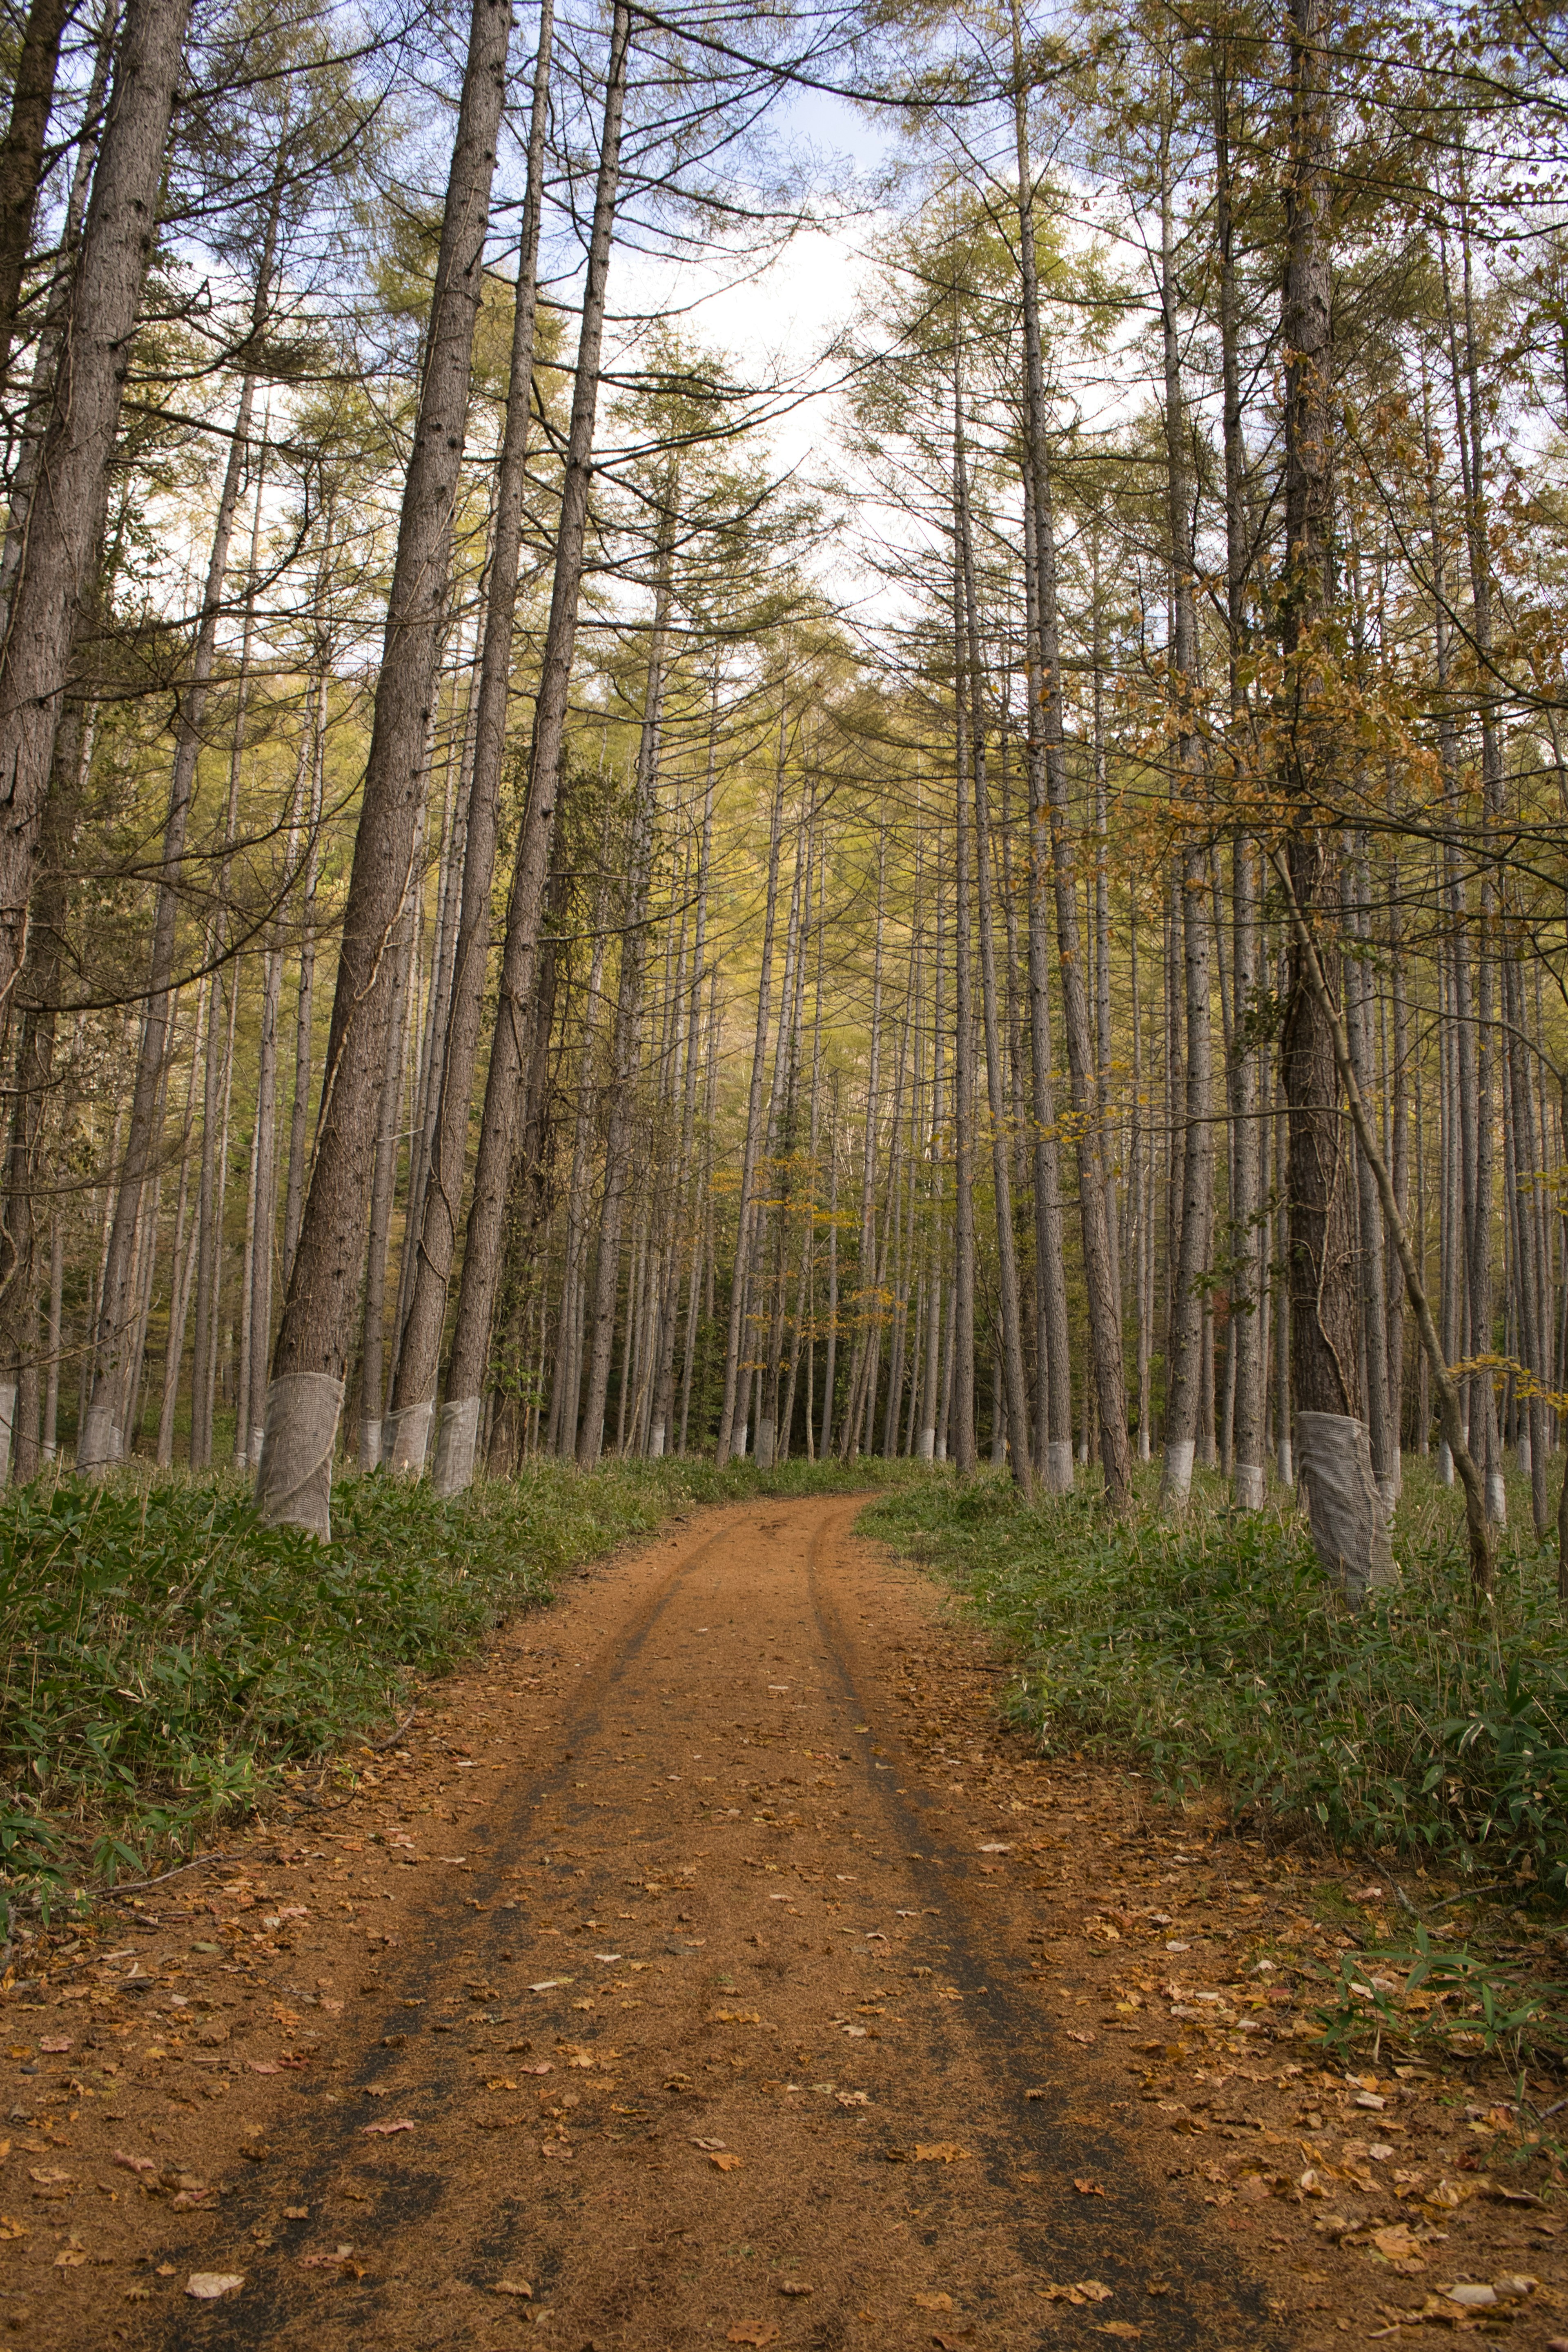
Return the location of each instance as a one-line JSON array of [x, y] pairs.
[[600, 2009]]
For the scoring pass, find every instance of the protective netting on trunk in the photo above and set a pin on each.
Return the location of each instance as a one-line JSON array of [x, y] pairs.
[[294, 1483], [1349, 1525]]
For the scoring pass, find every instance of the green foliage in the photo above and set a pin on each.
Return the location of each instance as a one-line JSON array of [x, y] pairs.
[[165, 1655], [1214, 1652]]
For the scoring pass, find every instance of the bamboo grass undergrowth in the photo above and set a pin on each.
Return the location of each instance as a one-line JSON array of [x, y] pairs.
[[168, 1661], [1213, 1653]]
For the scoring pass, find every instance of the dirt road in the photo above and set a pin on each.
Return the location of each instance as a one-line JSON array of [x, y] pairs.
[[679, 1984]]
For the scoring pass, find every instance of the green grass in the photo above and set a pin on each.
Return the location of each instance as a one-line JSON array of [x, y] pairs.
[[1214, 1654], [165, 1658]]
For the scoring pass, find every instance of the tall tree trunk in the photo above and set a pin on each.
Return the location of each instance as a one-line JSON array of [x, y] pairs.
[[1054, 852], [22, 157], [626, 1041], [305, 1398], [459, 1430], [419, 1350], [102, 1440], [1185, 1361], [753, 1145], [1323, 1319], [56, 570], [968, 659]]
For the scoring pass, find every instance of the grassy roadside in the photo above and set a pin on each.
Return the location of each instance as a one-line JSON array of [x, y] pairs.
[[164, 1659], [1420, 1736], [1215, 1652]]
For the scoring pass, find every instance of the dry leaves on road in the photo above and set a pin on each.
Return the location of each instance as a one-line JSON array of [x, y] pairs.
[[1082, 2291], [384, 2131], [753, 2331], [722, 2161], [208, 2287]]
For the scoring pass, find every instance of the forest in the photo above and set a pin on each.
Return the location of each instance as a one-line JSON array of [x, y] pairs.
[[820, 735]]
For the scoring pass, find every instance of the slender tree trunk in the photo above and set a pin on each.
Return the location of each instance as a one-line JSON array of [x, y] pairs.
[[420, 1348], [737, 1325], [520, 956], [627, 1042], [102, 1440], [294, 1482], [968, 656], [1323, 1318], [55, 570], [22, 157]]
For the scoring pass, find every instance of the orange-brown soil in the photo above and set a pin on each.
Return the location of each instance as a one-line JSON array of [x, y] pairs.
[[708, 1967]]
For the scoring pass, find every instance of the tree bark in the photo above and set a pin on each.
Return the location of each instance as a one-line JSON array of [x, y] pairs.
[[505, 1081], [419, 1350], [294, 1482], [63, 521], [22, 158]]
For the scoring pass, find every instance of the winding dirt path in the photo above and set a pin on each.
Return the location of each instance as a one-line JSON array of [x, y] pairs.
[[679, 1984]]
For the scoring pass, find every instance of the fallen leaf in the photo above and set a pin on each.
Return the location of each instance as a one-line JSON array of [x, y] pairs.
[[296, 2213], [55, 2048], [723, 2162], [1087, 2039], [794, 2287], [341, 2259], [10, 2228], [709, 2143], [996, 1849], [133, 2163], [514, 2286], [1088, 2189], [1470, 2298], [1122, 2327], [384, 2131], [933, 2302], [264, 2067], [940, 2151], [49, 2175], [549, 1984], [753, 2331], [208, 2285], [735, 2017], [1080, 2290], [71, 2258]]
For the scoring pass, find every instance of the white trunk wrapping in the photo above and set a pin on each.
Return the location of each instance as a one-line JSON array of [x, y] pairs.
[[8, 1424], [407, 1438], [1058, 1465], [1350, 1526], [457, 1443], [1176, 1477], [1250, 1487], [294, 1483], [100, 1445], [1497, 1499]]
